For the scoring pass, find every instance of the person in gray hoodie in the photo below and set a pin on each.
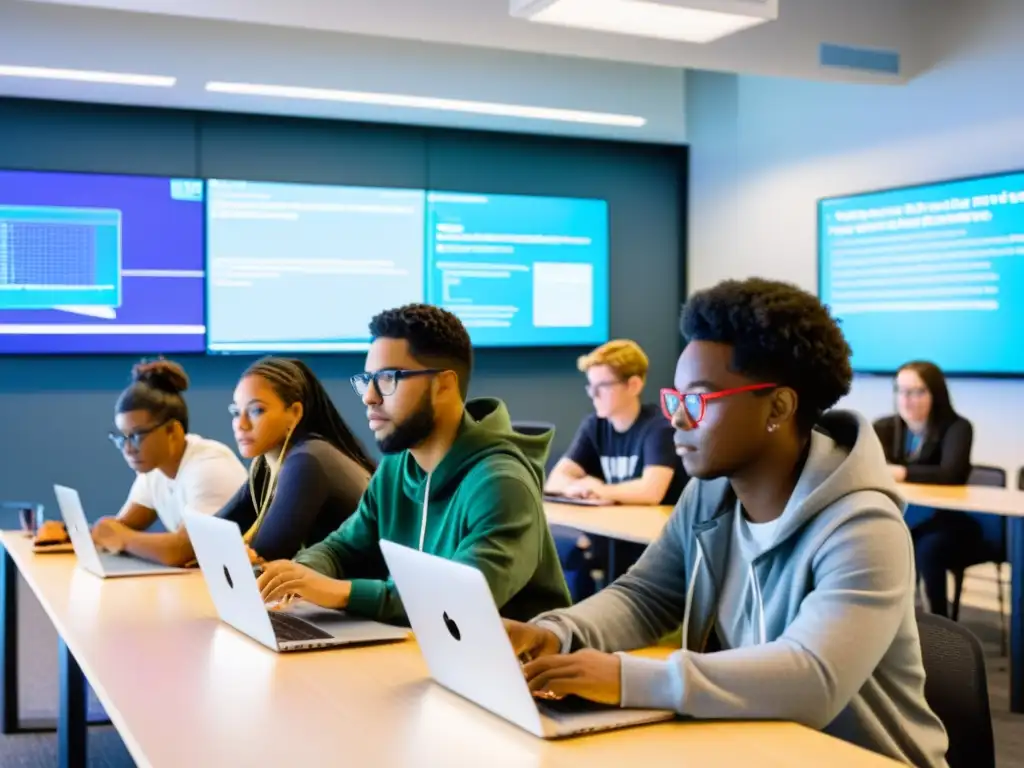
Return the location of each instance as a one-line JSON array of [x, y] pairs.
[[786, 562]]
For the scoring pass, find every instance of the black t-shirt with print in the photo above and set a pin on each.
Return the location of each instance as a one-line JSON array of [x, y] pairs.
[[619, 456]]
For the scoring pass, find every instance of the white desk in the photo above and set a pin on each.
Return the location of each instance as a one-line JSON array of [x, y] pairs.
[[183, 689]]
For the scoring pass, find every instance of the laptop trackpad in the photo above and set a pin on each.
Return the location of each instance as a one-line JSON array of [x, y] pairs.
[[337, 623]]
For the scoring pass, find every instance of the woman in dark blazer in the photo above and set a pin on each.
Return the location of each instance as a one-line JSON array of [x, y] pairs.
[[926, 441]]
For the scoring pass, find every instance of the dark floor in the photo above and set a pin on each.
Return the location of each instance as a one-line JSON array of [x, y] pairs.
[[107, 751]]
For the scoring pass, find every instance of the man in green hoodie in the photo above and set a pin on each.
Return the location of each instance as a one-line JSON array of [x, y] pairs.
[[455, 481]]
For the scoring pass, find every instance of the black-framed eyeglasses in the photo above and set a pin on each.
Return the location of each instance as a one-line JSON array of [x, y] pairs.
[[135, 438], [386, 380], [595, 390]]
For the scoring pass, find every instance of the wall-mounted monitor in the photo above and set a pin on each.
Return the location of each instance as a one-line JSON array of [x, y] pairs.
[[520, 271], [303, 267], [94, 263], [933, 272]]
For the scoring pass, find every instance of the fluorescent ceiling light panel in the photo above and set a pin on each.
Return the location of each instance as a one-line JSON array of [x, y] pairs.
[[428, 102], [691, 21], [87, 76]]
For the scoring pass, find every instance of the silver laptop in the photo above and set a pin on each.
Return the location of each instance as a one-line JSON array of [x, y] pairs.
[[467, 650], [232, 584], [106, 565], [558, 499]]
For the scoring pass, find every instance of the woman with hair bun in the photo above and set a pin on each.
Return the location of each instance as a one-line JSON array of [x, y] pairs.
[[307, 471], [175, 469]]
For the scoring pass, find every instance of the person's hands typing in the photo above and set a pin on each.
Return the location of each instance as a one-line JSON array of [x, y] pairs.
[[530, 641], [283, 581], [109, 534], [585, 488], [588, 674]]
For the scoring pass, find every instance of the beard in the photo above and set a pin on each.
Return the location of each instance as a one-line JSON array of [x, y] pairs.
[[416, 428]]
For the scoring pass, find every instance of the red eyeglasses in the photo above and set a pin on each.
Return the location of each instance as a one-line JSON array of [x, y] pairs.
[[695, 404]]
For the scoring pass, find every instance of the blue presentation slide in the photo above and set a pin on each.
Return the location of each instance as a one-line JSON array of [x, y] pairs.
[[101, 264], [518, 270], [51, 256], [933, 272], [304, 267]]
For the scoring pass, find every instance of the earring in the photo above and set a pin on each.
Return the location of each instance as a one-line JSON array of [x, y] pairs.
[[772, 427]]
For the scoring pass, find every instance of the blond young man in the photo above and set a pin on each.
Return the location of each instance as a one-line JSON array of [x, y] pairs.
[[623, 453]]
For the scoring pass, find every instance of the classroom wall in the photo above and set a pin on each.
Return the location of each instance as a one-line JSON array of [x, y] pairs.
[[764, 150], [55, 412]]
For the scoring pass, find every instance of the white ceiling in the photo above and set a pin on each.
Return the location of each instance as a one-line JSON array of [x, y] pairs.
[[454, 49], [785, 47]]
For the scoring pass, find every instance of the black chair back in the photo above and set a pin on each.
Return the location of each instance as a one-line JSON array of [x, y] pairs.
[[956, 688], [993, 527]]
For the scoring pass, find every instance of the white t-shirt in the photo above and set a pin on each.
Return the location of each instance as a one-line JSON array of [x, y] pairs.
[[739, 603], [209, 475]]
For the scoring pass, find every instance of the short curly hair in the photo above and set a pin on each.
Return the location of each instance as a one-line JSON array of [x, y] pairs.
[[778, 333], [437, 338]]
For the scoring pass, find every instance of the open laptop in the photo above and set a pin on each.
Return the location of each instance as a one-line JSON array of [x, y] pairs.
[[106, 565], [232, 584], [467, 650], [554, 497]]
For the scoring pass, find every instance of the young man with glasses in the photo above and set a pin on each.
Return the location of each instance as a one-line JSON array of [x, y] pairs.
[[455, 481], [787, 562], [622, 453]]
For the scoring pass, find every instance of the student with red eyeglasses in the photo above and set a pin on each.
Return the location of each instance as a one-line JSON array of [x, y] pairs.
[[787, 561]]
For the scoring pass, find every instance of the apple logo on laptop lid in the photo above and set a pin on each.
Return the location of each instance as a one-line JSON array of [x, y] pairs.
[[453, 628]]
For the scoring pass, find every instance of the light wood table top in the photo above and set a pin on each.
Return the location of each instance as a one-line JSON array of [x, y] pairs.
[[966, 498], [184, 689], [626, 523], [644, 524]]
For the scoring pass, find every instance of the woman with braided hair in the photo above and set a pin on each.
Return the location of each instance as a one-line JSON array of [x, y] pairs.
[[307, 471]]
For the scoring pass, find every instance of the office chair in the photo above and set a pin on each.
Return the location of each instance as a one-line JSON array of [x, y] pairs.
[[993, 547], [956, 689]]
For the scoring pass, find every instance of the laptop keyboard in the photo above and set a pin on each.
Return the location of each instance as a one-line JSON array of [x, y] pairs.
[[570, 705], [290, 629]]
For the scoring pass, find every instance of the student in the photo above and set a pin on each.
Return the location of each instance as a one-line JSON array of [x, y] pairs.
[[926, 441], [455, 481], [623, 452], [786, 562], [307, 474], [175, 470]]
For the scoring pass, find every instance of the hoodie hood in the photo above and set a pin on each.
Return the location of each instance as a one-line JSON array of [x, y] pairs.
[[486, 430], [844, 457], [844, 461]]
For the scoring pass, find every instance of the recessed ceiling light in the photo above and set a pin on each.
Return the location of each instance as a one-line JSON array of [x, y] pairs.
[[88, 76], [691, 21], [428, 102]]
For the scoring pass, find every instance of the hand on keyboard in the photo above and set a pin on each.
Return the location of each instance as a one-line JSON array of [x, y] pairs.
[[588, 673]]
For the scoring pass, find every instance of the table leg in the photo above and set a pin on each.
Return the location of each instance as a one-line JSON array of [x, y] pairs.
[[71, 718], [1016, 547], [612, 573], [9, 643]]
